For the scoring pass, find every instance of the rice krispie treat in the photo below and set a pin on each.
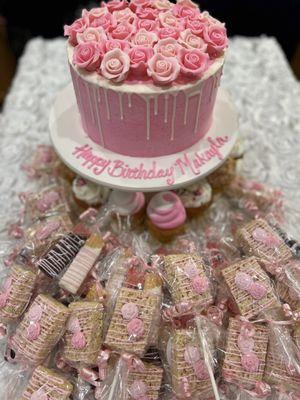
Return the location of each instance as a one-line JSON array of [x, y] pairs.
[[39, 331], [258, 239], [16, 292], [187, 367], [145, 383], [47, 384], [82, 264], [245, 353], [187, 280], [83, 336], [131, 322], [250, 288]]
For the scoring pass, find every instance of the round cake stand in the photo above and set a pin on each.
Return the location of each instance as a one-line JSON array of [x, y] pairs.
[[152, 174]]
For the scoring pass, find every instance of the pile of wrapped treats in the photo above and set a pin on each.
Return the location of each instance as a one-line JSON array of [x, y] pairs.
[[186, 294]]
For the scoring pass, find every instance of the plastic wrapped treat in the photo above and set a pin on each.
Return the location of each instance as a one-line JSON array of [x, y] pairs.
[[146, 382], [89, 194], [257, 238], [47, 384], [187, 281], [189, 374], [82, 264], [196, 198], [83, 336], [166, 216], [222, 177], [131, 326], [283, 359], [245, 354], [16, 292], [288, 283], [39, 331], [44, 161], [39, 236], [250, 288], [296, 331], [50, 200], [60, 254]]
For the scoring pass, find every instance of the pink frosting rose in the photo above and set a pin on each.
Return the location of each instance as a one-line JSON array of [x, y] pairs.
[[196, 26], [200, 285], [94, 13], [168, 47], [147, 24], [116, 44], [123, 31], [87, 56], [78, 340], [92, 35], [168, 19], [245, 344], [193, 63], [243, 280], [135, 328], [144, 38], [125, 15], [78, 26], [116, 5], [115, 65], [250, 362], [258, 290], [163, 70], [168, 32], [134, 4], [216, 38], [107, 21], [189, 40], [129, 311], [147, 13], [139, 56], [162, 5], [187, 3], [181, 11]]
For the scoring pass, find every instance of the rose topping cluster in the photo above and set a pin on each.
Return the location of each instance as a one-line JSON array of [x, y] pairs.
[[146, 40]]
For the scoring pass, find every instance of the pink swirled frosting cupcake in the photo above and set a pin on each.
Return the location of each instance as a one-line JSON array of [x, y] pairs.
[[128, 204], [166, 216]]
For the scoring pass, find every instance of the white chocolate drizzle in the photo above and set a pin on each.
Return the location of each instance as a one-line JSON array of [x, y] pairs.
[[99, 124], [129, 100], [166, 108], [121, 106], [173, 117], [155, 105], [90, 102], [107, 104]]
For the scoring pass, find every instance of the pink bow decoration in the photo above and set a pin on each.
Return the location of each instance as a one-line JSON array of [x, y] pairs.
[[138, 390], [102, 363], [133, 363], [266, 238], [180, 309], [40, 394], [246, 283], [4, 295], [47, 201], [249, 360], [78, 340], [34, 328]]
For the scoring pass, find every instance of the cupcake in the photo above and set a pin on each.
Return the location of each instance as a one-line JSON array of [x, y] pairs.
[[128, 207], [166, 216], [88, 194], [196, 198]]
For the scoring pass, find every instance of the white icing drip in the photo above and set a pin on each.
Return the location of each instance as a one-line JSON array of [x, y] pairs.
[[121, 106], [148, 117], [166, 108], [90, 101], [129, 100], [213, 85], [155, 105], [98, 96], [98, 117], [198, 110], [173, 117], [186, 106], [106, 103]]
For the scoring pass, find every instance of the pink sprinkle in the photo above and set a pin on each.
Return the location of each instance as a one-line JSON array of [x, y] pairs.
[[245, 344], [33, 331], [266, 238], [190, 270], [138, 390], [136, 328], [35, 313], [47, 230], [200, 285], [200, 370], [73, 324], [191, 354], [78, 340], [39, 395], [257, 290], [243, 281], [129, 311], [250, 362]]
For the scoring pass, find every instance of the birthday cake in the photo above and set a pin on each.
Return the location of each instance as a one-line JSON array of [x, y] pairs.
[[146, 74]]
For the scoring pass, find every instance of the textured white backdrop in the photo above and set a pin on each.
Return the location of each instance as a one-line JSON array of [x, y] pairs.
[[257, 74]]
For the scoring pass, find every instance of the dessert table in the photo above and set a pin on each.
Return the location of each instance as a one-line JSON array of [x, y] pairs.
[[257, 75]]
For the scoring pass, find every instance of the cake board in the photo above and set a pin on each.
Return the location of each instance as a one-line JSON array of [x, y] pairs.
[[146, 174]]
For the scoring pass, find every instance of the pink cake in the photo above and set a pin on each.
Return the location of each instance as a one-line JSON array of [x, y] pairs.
[[146, 74]]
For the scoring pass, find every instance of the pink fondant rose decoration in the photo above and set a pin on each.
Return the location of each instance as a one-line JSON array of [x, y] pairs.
[[216, 38], [250, 362], [125, 15], [168, 47], [78, 26], [106, 21], [196, 26], [163, 70], [115, 65], [168, 19], [193, 63], [189, 40], [144, 38], [135, 328], [147, 24], [147, 13], [92, 35], [116, 5], [162, 5], [258, 290], [199, 284], [123, 31], [112, 44], [168, 32], [134, 4], [139, 56], [187, 3], [243, 280], [94, 14], [129, 311], [88, 56], [181, 11]]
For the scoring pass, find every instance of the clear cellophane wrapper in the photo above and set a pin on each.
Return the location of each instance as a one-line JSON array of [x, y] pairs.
[[191, 359]]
